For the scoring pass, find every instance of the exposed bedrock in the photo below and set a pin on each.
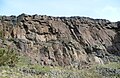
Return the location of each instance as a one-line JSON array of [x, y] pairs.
[[63, 41]]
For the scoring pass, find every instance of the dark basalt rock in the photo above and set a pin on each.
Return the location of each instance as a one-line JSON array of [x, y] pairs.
[[79, 39]]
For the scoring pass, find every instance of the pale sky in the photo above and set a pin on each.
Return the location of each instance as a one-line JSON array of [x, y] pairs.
[[105, 9]]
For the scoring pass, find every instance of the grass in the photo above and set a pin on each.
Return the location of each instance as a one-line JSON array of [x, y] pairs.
[[40, 68], [110, 66], [113, 65], [8, 72], [8, 57], [24, 62]]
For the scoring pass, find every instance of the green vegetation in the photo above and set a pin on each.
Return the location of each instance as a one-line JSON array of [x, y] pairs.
[[40, 68], [8, 57], [113, 65], [24, 63]]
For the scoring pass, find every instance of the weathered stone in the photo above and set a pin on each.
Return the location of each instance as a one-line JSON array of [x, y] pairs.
[[63, 41]]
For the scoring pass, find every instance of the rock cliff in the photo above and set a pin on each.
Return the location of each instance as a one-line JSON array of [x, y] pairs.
[[62, 41]]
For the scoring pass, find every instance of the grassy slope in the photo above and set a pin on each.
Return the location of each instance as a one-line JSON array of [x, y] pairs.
[[13, 72]]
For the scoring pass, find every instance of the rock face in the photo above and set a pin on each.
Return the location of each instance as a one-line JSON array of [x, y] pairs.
[[62, 41]]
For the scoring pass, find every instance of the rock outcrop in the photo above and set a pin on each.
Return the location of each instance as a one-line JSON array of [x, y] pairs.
[[62, 41]]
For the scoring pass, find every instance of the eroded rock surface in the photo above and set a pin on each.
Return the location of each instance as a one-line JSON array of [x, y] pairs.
[[62, 41]]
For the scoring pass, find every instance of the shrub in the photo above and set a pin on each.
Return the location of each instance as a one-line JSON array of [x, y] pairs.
[[8, 57]]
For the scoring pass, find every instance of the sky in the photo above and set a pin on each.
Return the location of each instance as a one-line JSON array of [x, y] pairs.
[[98, 9]]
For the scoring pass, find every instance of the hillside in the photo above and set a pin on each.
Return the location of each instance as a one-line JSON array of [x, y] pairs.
[[67, 42]]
